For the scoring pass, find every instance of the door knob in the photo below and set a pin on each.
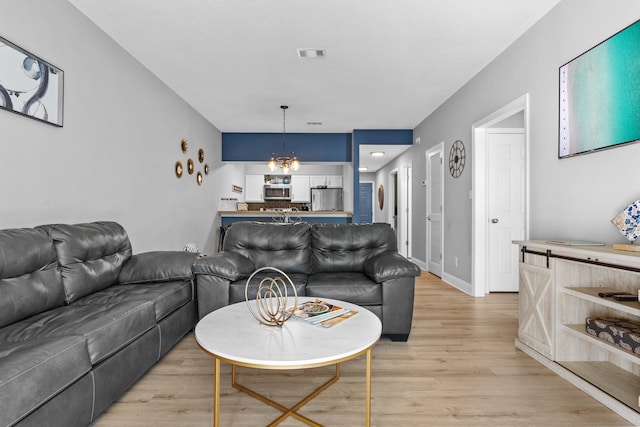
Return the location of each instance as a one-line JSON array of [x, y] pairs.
[[494, 220]]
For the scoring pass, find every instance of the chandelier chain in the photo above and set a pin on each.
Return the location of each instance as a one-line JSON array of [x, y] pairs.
[[285, 162]]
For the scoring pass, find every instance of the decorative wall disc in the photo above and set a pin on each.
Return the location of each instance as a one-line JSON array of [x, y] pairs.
[[184, 146], [190, 166], [179, 169], [456, 159], [201, 155], [199, 178], [206, 168]]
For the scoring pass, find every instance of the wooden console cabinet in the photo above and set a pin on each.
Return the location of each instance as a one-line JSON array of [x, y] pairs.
[[559, 287]]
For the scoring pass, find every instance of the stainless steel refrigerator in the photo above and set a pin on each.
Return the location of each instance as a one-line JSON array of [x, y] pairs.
[[326, 199]]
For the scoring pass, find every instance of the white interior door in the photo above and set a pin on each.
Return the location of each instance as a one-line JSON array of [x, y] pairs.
[[434, 187], [404, 195], [409, 209], [394, 220], [506, 206]]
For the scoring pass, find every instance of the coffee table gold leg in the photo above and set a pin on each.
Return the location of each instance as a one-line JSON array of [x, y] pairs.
[[368, 388], [216, 392], [287, 412]]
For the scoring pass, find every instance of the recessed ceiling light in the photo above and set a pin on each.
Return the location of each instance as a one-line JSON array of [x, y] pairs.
[[377, 153], [363, 169], [311, 53]]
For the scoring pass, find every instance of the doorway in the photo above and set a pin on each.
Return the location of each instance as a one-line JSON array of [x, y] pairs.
[[365, 203], [485, 253], [409, 209], [505, 196], [393, 200], [434, 186], [404, 210]]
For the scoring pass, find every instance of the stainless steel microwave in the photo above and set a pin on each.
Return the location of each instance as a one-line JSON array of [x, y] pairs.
[[277, 192]]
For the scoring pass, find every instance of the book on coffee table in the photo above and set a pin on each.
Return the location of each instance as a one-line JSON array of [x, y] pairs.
[[321, 313]]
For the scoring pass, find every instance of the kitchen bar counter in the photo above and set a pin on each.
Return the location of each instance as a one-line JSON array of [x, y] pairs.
[[312, 217]]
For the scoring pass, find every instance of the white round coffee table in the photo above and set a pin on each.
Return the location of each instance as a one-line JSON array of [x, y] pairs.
[[231, 334]]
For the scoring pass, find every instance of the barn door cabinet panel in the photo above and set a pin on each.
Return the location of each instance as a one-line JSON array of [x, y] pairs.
[[537, 305]]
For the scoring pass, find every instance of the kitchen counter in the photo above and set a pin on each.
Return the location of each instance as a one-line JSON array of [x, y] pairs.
[[327, 217], [290, 213]]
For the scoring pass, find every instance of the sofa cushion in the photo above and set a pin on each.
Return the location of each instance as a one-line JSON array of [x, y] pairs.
[[227, 265], [29, 279], [389, 265], [345, 247], [166, 296], [90, 256], [34, 371], [355, 288], [237, 293], [158, 266], [282, 245], [106, 327]]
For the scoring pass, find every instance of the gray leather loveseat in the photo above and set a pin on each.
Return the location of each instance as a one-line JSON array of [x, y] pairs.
[[354, 263], [81, 319]]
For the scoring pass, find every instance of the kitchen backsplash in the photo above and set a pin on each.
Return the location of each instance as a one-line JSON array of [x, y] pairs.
[[277, 204]]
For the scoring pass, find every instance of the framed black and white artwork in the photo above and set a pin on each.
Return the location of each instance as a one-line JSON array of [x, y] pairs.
[[29, 85]]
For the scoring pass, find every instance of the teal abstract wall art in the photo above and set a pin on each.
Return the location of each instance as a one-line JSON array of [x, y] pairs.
[[600, 95]]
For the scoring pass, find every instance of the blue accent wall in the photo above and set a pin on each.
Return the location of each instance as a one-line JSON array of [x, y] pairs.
[[374, 137], [308, 147], [383, 136]]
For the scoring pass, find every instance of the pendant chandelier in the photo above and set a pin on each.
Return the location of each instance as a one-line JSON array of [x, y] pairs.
[[284, 162]]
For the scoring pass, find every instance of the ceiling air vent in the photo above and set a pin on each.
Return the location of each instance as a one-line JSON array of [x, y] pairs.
[[311, 53]]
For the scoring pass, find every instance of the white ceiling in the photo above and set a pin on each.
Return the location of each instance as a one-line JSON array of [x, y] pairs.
[[374, 163], [389, 63]]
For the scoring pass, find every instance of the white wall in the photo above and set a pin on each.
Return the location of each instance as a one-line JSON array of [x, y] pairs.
[[570, 198], [114, 158]]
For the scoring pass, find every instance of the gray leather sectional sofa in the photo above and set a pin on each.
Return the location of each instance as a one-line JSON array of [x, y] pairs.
[[354, 263], [81, 319]]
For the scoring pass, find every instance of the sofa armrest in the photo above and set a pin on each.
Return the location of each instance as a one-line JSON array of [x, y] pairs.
[[389, 265], [227, 265], [158, 266]]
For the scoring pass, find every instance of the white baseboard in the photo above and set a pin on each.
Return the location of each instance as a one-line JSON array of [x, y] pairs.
[[458, 283], [447, 278], [419, 263]]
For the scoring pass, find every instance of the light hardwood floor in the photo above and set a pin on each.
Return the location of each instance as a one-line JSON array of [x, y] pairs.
[[459, 368]]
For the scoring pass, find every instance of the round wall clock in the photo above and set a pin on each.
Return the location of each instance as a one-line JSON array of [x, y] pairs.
[[456, 159]]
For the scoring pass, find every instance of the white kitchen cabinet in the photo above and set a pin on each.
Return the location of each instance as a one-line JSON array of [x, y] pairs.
[[300, 188], [330, 181], [253, 188], [334, 181], [318, 180]]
